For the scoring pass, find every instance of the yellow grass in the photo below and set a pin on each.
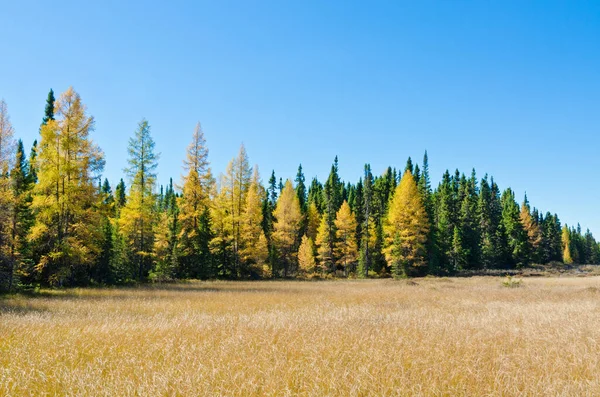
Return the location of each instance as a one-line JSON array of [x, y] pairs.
[[351, 338]]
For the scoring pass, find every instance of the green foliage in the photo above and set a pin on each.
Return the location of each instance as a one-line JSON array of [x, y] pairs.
[[60, 226]]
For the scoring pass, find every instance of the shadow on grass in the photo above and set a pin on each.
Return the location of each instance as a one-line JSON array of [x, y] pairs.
[[18, 307], [148, 291]]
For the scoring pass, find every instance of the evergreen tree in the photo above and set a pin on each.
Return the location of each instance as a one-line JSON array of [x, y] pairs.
[[49, 109], [551, 239], [315, 194], [366, 205], [332, 199], [424, 185], [120, 194], [103, 272], [301, 190], [490, 214], [167, 230], [409, 166], [445, 221], [22, 217], [469, 221], [515, 233], [33, 163], [459, 255]]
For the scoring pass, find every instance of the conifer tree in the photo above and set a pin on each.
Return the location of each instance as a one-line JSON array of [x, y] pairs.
[[566, 244], [366, 229], [21, 217], [120, 194], [32, 163], [222, 233], [459, 255], [236, 183], [285, 228], [406, 229], [332, 199], [516, 235], [488, 225], [254, 250], [49, 109], [301, 190], [138, 217], [103, 272], [409, 166], [7, 147], [65, 202], [306, 256], [167, 230], [194, 235], [323, 242], [315, 194], [445, 221], [534, 233], [468, 221], [346, 250], [313, 220]]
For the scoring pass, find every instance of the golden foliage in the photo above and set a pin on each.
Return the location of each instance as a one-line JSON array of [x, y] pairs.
[[406, 228], [346, 250], [66, 198], [324, 253], [306, 256], [286, 225], [253, 243], [566, 243]]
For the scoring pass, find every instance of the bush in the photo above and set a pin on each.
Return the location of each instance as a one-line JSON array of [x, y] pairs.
[[511, 282]]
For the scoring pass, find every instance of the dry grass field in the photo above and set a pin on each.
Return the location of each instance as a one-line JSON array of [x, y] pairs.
[[469, 336]]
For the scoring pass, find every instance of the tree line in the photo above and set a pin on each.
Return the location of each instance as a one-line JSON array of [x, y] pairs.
[[60, 224]]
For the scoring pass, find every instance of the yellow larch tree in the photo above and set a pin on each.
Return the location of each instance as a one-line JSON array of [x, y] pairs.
[[322, 242], [286, 227], [221, 230], [236, 183], [566, 245], [306, 256], [139, 215], [67, 228], [345, 247], [194, 206], [7, 148], [534, 232], [313, 221], [253, 243], [406, 229]]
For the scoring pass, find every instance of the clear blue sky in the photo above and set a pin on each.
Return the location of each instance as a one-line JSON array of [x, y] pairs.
[[511, 88]]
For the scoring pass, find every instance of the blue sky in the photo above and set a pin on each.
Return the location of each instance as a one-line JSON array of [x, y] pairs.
[[511, 88]]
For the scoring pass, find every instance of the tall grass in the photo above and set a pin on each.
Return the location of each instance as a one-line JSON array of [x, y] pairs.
[[351, 338]]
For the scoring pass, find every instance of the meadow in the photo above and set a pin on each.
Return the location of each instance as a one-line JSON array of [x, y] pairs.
[[429, 336]]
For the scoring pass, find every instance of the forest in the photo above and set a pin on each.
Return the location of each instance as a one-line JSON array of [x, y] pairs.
[[62, 225]]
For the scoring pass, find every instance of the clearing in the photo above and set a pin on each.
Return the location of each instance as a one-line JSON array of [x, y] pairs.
[[459, 336]]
